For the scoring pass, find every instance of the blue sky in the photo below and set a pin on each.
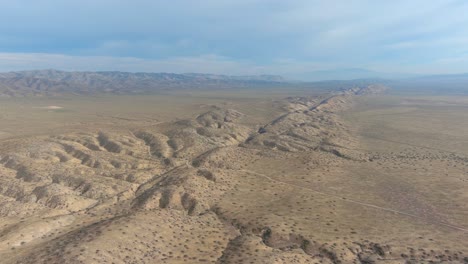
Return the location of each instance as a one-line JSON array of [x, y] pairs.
[[289, 38]]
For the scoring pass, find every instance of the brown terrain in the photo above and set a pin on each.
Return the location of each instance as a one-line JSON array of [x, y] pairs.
[[346, 176]]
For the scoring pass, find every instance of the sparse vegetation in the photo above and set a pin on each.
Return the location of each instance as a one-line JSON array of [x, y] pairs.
[[307, 179]]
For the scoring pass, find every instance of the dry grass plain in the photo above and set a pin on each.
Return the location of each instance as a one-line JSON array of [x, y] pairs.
[[249, 177]]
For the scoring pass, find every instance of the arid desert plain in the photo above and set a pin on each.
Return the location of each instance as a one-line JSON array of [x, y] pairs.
[[359, 174]]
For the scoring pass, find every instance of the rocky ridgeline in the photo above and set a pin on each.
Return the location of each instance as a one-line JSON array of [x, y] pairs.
[[313, 124]]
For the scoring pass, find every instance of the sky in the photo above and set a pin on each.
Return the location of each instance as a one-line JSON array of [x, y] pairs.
[[291, 38]]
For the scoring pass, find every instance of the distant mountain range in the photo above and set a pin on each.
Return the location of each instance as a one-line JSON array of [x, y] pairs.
[[52, 82]]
